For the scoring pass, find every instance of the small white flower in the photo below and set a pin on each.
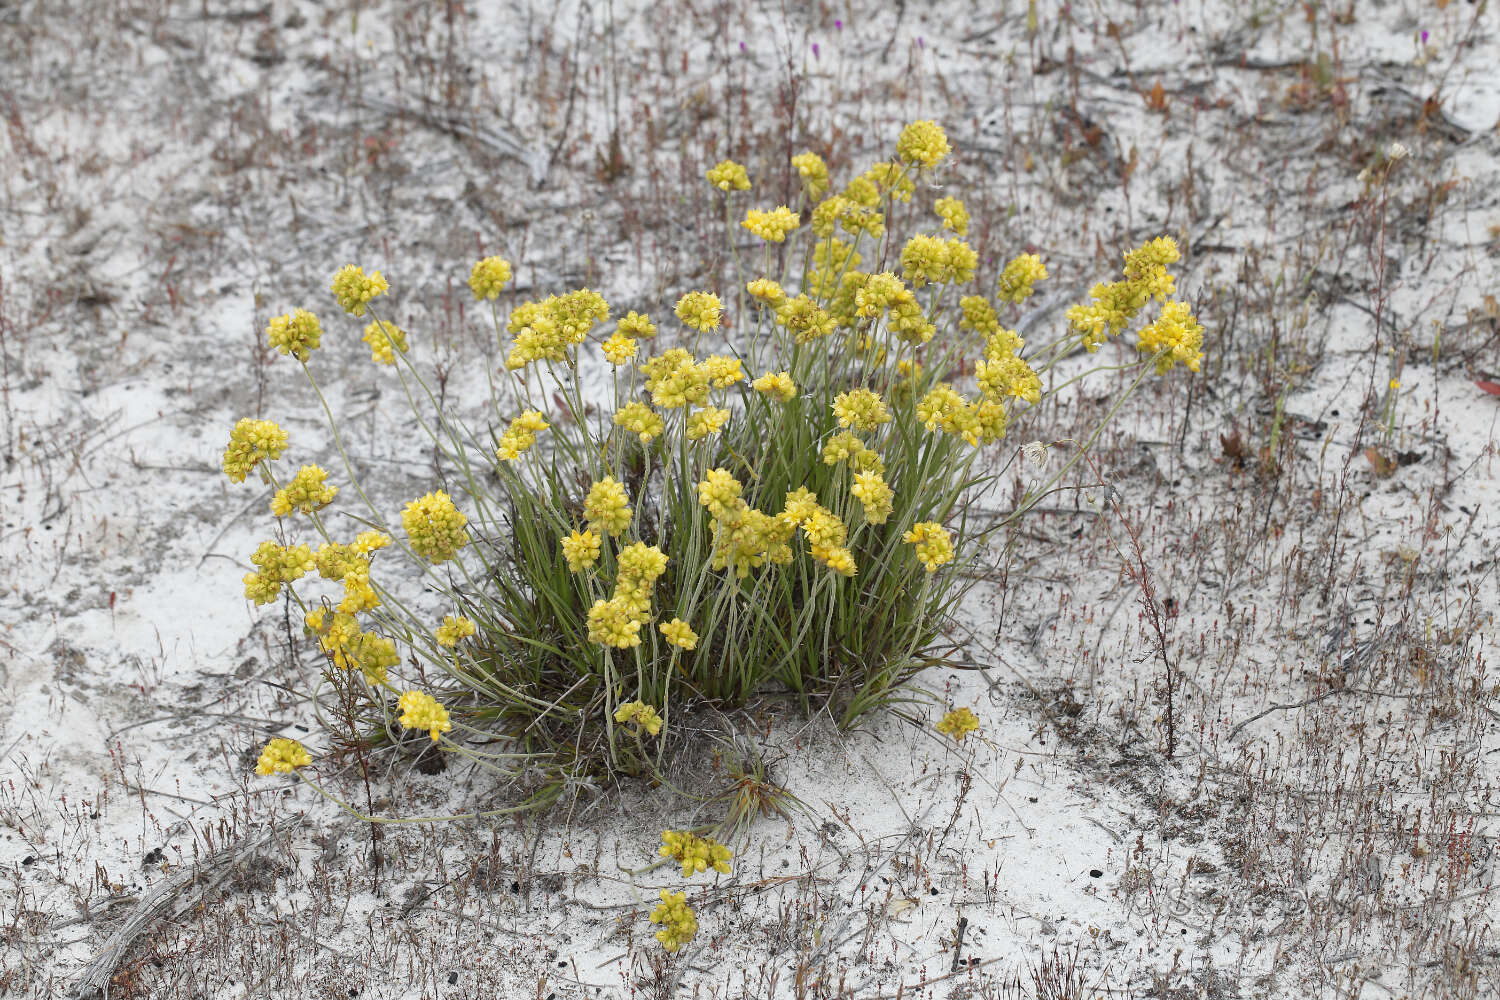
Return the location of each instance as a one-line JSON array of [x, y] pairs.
[[1036, 453], [1397, 152]]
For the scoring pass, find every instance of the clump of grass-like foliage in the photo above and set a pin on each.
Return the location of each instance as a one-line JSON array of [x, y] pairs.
[[781, 513]]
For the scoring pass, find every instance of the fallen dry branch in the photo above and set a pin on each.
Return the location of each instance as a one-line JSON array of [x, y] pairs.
[[156, 904]]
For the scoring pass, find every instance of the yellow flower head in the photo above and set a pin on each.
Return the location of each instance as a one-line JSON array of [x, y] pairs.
[[880, 292], [276, 566], [640, 419], [924, 259], [861, 409], [385, 339], [978, 315], [696, 854], [767, 291], [923, 142], [709, 420], [775, 385], [282, 756], [306, 492], [720, 492], [814, 173], [454, 629], [642, 715], [637, 326], [434, 527], [298, 333], [828, 213], [674, 379], [545, 330], [1008, 377], [724, 371], [250, 443], [871, 490], [700, 310], [489, 277], [521, 435], [679, 923], [1176, 336], [1020, 274], [954, 215], [845, 447], [420, 710], [726, 175], [618, 349], [679, 633], [934, 545], [804, 319], [581, 550], [354, 289], [368, 541], [606, 507], [958, 723], [771, 226], [615, 623]]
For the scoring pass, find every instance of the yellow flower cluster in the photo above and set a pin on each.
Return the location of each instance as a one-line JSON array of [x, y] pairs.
[[726, 175], [543, 331], [872, 491], [700, 310], [455, 628], [861, 409], [744, 538], [933, 544], [581, 550], [679, 924], [1002, 375], [434, 527], [776, 385], [946, 410], [642, 715], [340, 638], [709, 420], [617, 622], [489, 277], [277, 566], [420, 710], [1174, 337], [354, 289], [825, 533], [771, 226], [640, 420], [814, 173], [385, 339], [696, 854], [978, 315], [350, 564], [923, 142], [880, 292], [618, 349], [306, 493], [804, 319], [958, 723], [954, 215], [930, 259], [250, 443], [636, 326], [282, 756], [846, 447], [766, 291], [885, 178], [1020, 274], [606, 508], [521, 435], [1116, 303], [679, 633]]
